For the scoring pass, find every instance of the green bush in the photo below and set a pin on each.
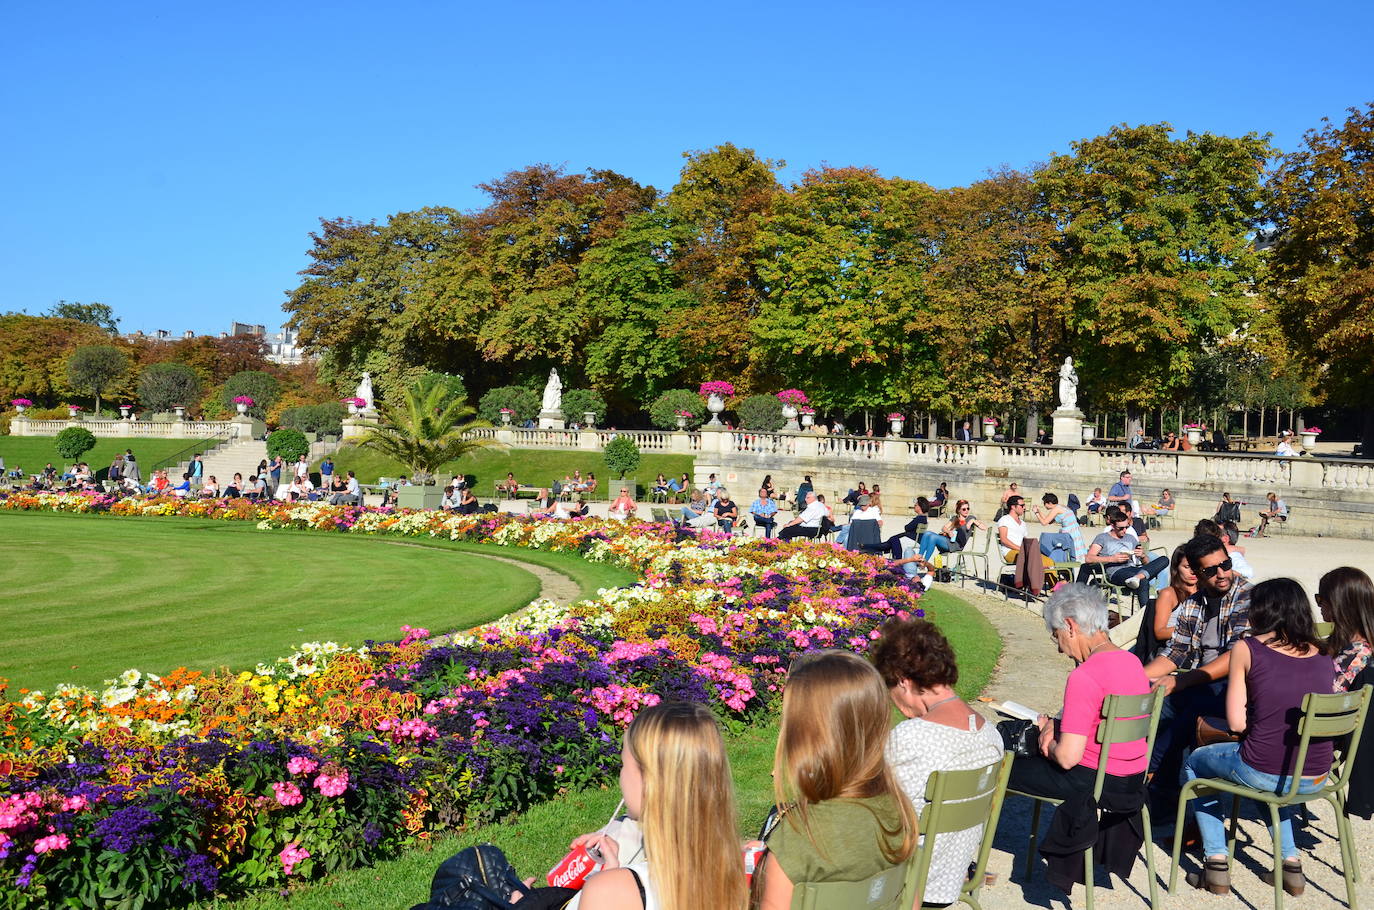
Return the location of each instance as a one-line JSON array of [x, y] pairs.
[[162, 386], [262, 387], [621, 455], [73, 442], [519, 399], [577, 402], [454, 384], [761, 412], [289, 444], [315, 418], [663, 411]]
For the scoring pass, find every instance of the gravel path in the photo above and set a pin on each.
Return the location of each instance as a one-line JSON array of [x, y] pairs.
[[1032, 672]]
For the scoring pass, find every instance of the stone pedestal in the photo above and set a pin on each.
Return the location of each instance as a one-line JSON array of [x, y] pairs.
[[1068, 427], [552, 420], [355, 427]]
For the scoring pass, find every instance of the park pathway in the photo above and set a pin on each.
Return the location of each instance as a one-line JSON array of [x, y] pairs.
[[1032, 672]]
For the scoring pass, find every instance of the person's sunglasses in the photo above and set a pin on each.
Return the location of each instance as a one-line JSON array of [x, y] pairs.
[[1211, 571]]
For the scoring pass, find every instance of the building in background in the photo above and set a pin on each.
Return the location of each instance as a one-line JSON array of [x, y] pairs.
[[282, 347]]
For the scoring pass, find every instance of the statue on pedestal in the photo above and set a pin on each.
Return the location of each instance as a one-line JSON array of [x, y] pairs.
[[365, 393], [1068, 386], [553, 392]]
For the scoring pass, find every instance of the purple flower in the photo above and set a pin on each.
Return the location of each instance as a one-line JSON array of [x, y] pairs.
[[127, 828]]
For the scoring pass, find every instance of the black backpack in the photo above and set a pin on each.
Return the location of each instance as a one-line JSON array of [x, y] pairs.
[[481, 878]]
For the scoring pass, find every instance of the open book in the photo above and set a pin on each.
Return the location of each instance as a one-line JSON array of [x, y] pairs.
[[1014, 709]]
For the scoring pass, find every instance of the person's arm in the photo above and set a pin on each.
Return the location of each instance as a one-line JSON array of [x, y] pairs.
[[1047, 518], [1094, 554], [777, 887], [1164, 608], [1160, 668], [1236, 695], [1004, 538]]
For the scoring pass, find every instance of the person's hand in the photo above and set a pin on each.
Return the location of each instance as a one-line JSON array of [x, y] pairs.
[[604, 844], [1046, 739], [1121, 557], [1167, 684]]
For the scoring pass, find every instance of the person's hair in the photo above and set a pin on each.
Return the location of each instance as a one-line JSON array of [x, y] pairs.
[[1114, 514], [186, 476], [1200, 546], [1084, 605], [767, 479], [722, 493], [1280, 605], [806, 478], [958, 506], [1232, 532], [1012, 486], [1050, 499], [863, 501], [914, 649], [1126, 507], [1207, 526], [1125, 472], [820, 497], [923, 503], [835, 718], [695, 496], [688, 812], [1174, 562], [1350, 592], [1015, 501]]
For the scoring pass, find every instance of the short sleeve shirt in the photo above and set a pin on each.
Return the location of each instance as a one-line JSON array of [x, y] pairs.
[[1120, 489], [1016, 533], [846, 837], [764, 508], [1102, 674]]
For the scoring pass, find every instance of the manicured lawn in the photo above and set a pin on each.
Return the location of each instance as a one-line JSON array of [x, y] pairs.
[[537, 467], [539, 838], [87, 597], [32, 452]]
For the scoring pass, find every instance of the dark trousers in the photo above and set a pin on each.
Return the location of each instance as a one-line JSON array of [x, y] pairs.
[[768, 524], [793, 531], [1177, 736], [1037, 774], [1151, 569]]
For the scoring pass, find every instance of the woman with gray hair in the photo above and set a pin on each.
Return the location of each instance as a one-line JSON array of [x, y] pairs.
[[1076, 617]]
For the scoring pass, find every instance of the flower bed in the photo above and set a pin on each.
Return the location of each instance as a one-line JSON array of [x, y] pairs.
[[168, 789]]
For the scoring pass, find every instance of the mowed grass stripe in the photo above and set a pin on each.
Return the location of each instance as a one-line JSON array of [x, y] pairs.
[[84, 598]]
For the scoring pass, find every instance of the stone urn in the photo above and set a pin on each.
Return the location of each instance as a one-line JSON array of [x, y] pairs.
[[21, 408], [181, 411], [124, 411], [73, 411], [715, 404], [989, 429], [789, 414], [353, 408], [896, 427], [1194, 435], [1309, 440], [1089, 434], [808, 420], [682, 423], [242, 408], [505, 418], [589, 419]]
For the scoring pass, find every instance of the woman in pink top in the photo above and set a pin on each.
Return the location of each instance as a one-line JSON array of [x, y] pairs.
[[1076, 616]]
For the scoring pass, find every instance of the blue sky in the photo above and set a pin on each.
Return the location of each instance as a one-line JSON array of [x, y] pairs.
[[171, 159]]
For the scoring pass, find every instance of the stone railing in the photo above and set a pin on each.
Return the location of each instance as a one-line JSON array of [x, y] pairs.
[[133, 429]]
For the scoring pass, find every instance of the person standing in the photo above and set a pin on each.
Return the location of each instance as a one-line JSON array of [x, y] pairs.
[[197, 471], [131, 471], [326, 471], [278, 463]]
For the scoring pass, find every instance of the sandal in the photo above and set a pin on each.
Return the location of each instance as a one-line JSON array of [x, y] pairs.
[[1214, 877], [1294, 882]]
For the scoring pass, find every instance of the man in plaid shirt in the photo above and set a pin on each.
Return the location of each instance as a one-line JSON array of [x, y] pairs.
[[1209, 624]]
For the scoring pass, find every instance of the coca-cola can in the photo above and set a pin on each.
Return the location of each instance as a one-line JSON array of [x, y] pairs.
[[574, 868], [751, 859]]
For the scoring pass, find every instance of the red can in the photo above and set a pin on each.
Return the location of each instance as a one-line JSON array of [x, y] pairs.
[[574, 868]]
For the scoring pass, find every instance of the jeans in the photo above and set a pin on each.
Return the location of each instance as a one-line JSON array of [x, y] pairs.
[[766, 523], [1150, 569], [1223, 761], [1178, 733], [931, 541], [1058, 547], [727, 525]]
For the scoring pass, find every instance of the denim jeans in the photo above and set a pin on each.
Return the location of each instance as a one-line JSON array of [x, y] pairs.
[[1223, 761], [766, 523], [1058, 547], [931, 541]]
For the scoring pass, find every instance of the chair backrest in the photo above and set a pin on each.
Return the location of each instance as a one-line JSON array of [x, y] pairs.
[[1125, 719], [863, 533], [957, 801], [1332, 716], [883, 891]]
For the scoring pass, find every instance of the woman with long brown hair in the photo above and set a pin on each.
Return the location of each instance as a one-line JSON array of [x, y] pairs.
[[844, 816], [1345, 597]]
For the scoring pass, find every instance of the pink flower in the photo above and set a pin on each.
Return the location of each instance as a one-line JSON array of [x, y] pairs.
[[75, 803], [51, 842], [288, 794], [301, 765], [332, 784], [292, 855]]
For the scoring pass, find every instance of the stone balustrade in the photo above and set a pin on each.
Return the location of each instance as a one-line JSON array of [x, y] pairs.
[[135, 429]]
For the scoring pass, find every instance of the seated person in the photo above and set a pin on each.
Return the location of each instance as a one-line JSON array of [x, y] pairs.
[[235, 488], [338, 491], [726, 512], [508, 487], [940, 496], [941, 733], [389, 496], [808, 522], [578, 508], [1285, 447], [49, 473], [852, 497], [589, 485], [1096, 502], [449, 502], [1345, 597], [864, 510], [696, 511], [258, 488], [1123, 557], [544, 503], [913, 529], [765, 512], [467, 503], [659, 491], [1165, 505], [955, 533], [210, 489], [1011, 532], [1278, 510], [1228, 534], [1157, 625], [299, 490], [181, 490], [623, 508]]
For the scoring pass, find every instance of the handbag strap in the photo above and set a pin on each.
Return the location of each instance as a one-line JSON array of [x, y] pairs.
[[643, 901]]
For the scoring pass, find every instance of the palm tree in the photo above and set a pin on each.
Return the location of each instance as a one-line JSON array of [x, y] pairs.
[[426, 430]]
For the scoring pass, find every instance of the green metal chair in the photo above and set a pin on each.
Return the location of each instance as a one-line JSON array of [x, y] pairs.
[[1323, 716], [1117, 595], [957, 801], [968, 557], [1125, 718], [884, 891]]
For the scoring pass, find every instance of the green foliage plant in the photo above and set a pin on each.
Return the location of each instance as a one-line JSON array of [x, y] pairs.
[[760, 412], [73, 442], [315, 418], [426, 429], [94, 368], [663, 410], [519, 399], [577, 402], [288, 443], [621, 455], [262, 387], [162, 386], [452, 384]]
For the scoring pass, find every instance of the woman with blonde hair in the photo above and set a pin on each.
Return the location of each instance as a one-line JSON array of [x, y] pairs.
[[844, 816], [675, 778]]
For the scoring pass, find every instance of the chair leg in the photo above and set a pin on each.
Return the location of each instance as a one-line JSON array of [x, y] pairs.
[[1278, 855], [1088, 883], [1183, 798], [1034, 836], [1150, 855], [1231, 836]]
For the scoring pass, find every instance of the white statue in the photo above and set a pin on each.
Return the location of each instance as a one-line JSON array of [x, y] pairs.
[[365, 393], [553, 392], [1068, 386]]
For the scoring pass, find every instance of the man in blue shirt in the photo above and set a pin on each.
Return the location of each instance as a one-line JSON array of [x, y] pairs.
[[326, 472], [764, 509], [1121, 490]]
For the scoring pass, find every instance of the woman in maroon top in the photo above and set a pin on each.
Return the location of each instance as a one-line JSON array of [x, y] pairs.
[[1271, 672]]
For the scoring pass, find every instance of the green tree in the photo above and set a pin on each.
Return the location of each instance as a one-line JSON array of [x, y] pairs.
[[663, 409], [33, 355], [425, 430], [162, 386], [97, 314], [761, 412], [1155, 252], [519, 399], [315, 418], [621, 456], [577, 402], [1321, 277], [289, 443], [73, 442], [94, 368], [262, 387]]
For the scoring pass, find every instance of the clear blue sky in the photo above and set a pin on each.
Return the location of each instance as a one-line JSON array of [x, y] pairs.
[[170, 159]]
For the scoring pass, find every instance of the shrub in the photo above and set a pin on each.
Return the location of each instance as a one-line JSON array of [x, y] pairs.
[[663, 411], [577, 402], [289, 444], [761, 412], [519, 399], [262, 387], [453, 384], [315, 418], [621, 455], [73, 442], [164, 385]]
